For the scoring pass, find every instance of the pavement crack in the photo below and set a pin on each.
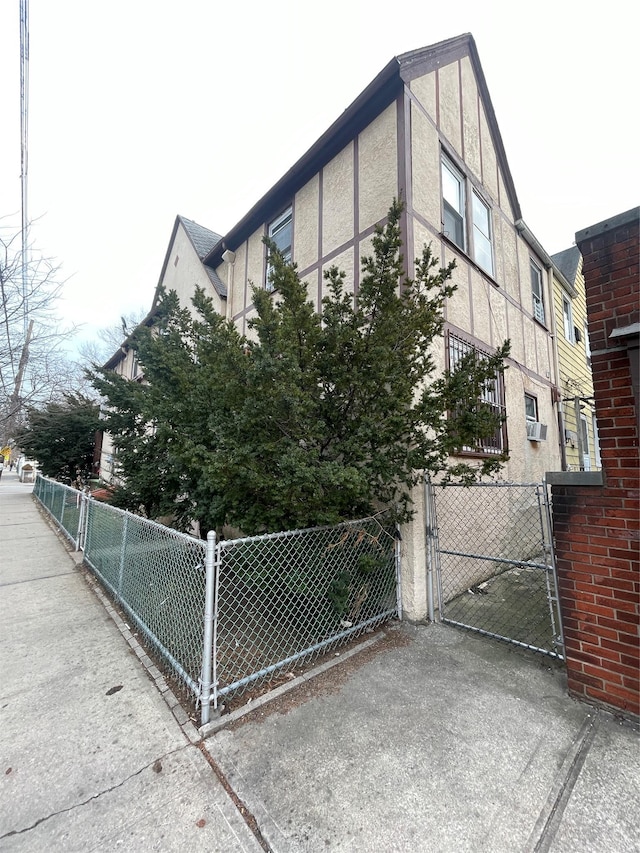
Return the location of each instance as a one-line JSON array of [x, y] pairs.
[[39, 578], [246, 815], [551, 815], [151, 764]]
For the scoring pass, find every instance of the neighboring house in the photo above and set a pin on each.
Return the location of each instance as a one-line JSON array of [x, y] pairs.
[[424, 130], [577, 412], [183, 271]]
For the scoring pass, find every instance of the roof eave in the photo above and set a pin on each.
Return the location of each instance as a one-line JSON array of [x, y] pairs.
[[378, 94]]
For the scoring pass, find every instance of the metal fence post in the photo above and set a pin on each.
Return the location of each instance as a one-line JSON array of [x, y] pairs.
[[550, 554], [82, 520], [430, 525], [122, 553], [398, 562], [206, 679]]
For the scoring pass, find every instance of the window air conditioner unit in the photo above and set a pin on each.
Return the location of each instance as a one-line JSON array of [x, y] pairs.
[[536, 431]]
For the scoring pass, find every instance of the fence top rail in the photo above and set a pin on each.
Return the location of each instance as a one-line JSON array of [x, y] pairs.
[[58, 485], [283, 534], [488, 485], [178, 534]]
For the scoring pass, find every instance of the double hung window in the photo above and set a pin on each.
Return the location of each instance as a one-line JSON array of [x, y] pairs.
[[453, 200], [280, 231], [482, 250], [455, 216], [537, 292], [567, 319]]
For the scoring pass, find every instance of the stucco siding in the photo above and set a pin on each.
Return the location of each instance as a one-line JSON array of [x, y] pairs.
[[337, 200], [499, 316], [185, 271], [459, 305], [377, 168], [345, 261], [516, 337], [425, 168], [305, 224], [489, 158], [449, 101], [424, 89], [237, 295], [471, 124]]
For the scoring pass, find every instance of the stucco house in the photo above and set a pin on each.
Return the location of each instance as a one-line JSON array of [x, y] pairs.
[[183, 270], [580, 449], [423, 130]]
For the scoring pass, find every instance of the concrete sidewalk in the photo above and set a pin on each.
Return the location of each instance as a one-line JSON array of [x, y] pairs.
[[443, 742], [431, 740], [91, 756]]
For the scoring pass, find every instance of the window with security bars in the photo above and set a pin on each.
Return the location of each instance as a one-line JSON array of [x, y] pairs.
[[492, 396]]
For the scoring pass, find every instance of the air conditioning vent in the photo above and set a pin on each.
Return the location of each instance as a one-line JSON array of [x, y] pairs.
[[536, 431]]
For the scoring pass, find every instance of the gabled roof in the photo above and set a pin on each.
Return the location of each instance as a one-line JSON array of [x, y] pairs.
[[568, 262], [387, 86], [203, 241], [202, 238]]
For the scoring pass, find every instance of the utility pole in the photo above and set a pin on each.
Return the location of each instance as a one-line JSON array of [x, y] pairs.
[[24, 148]]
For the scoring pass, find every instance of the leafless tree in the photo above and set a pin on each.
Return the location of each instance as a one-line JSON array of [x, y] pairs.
[[34, 368]]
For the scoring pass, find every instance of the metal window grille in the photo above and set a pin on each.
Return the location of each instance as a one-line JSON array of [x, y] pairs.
[[492, 396]]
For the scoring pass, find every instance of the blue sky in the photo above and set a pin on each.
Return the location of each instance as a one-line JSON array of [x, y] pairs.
[[143, 109]]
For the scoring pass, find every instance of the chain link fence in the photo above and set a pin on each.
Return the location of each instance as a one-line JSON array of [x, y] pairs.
[[229, 615], [64, 504], [494, 560], [158, 576], [292, 596]]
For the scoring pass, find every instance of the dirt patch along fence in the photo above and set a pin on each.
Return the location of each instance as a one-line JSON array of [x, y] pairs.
[[228, 615]]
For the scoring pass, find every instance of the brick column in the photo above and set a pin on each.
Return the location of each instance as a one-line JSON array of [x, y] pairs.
[[596, 517]]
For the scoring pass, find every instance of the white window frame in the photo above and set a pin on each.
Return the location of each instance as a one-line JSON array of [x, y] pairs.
[[531, 418], [567, 319], [471, 230], [454, 208], [482, 236], [537, 291], [587, 344], [274, 228]]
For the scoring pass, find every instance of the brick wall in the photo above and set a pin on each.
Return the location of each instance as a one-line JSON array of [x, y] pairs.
[[596, 516]]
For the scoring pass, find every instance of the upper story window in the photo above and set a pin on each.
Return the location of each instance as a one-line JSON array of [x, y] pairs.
[[280, 230], [482, 249], [567, 319], [530, 407], [493, 396], [587, 344], [537, 292], [455, 198]]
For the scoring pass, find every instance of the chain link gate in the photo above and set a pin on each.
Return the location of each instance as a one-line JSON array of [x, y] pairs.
[[492, 547]]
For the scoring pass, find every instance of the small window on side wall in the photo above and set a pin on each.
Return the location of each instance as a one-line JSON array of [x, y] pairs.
[[280, 231], [567, 318], [530, 407], [537, 292]]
